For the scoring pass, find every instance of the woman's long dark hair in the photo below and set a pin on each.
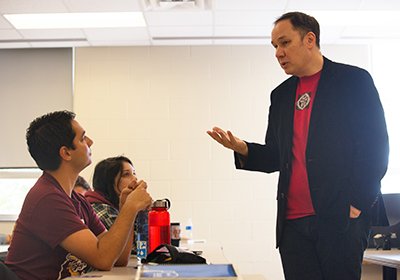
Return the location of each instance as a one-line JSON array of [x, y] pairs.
[[104, 177]]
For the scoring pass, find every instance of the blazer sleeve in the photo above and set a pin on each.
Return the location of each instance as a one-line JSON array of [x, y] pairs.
[[371, 147]]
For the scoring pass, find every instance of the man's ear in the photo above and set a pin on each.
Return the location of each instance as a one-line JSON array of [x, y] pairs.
[[310, 39], [65, 153]]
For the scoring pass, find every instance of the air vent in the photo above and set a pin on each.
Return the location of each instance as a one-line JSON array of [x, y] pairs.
[[152, 5]]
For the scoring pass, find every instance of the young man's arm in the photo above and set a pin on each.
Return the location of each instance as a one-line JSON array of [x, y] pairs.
[[102, 253], [126, 253]]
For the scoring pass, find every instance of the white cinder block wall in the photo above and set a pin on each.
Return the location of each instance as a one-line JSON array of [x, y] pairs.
[[154, 105]]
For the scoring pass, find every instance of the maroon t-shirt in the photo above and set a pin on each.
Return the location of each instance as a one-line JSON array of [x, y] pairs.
[[299, 199], [47, 217]]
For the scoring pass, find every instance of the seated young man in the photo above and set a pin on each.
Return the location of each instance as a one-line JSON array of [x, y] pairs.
[[57, 233], [81, 186]]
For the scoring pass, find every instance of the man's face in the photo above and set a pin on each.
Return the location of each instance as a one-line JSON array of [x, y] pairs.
[[290, 49], [81, 155]]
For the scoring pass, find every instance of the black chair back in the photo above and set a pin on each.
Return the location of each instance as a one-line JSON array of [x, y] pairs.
[[6, 273]]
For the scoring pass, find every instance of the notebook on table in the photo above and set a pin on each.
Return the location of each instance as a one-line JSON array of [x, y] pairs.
[[188, 271]]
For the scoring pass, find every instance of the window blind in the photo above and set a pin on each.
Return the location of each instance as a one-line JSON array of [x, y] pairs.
[[32, 83]]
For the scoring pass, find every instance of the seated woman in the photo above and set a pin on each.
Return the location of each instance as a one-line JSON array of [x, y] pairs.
[[112, 177]]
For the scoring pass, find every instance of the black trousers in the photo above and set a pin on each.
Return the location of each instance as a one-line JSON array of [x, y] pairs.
[[311, 253]]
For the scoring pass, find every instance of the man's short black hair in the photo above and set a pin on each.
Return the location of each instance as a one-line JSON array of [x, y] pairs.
[[303, 23], [81, 182], [46, 135]]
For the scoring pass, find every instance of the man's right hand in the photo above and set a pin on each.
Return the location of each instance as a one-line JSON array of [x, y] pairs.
[[228, 140]]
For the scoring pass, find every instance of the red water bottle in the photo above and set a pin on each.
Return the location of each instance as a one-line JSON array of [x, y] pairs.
[[159, 224]]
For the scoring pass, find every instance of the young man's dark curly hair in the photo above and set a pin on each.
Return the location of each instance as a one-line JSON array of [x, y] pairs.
[[46, 135]]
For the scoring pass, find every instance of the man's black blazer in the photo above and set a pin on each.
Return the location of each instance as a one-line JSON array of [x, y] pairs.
[[347, 147]]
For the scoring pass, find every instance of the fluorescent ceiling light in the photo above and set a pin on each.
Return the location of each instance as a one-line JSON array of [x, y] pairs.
[[76, 20], [356, 18]]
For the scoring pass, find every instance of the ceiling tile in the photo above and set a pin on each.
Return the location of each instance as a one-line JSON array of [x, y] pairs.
[[263, 42], [178, 18], [380, 5], [32, 6], [243, 31], [52, 33], [310, 5], [246, 18], [201, 42], [117, 34], [103, 5], [180, 31], [9, 34], [250, 5], [371, 32], [357, 18]]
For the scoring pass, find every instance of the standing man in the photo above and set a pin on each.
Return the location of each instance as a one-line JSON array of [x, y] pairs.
[[57, 233], [327, 138]]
